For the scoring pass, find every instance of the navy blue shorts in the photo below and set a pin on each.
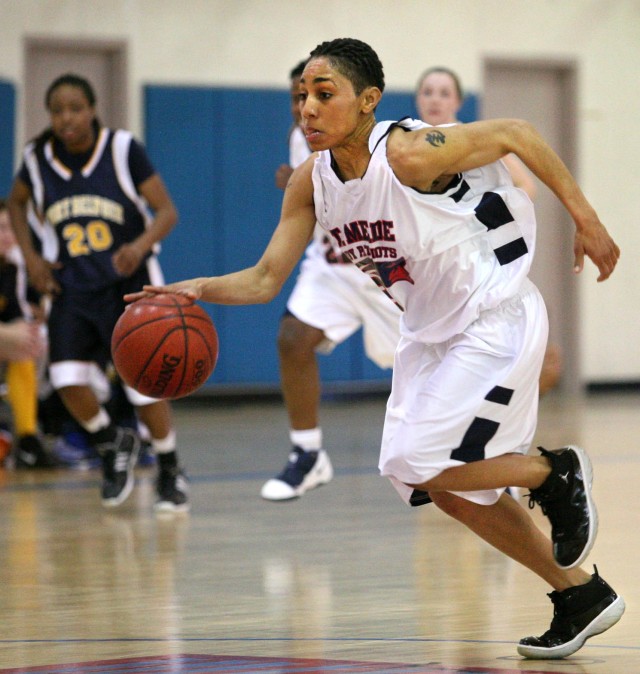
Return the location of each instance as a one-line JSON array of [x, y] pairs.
[[81, 323]]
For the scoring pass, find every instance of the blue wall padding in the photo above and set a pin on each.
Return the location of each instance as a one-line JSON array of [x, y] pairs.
[[7, 135]]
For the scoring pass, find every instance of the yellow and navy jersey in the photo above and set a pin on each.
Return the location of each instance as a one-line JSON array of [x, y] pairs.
[[88, 204]]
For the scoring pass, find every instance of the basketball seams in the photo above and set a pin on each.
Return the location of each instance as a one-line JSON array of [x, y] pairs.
[[205, 340], [139, 326], [154, 353]]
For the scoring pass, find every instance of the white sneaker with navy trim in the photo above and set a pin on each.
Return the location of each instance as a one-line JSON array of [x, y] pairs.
[[305, 470]]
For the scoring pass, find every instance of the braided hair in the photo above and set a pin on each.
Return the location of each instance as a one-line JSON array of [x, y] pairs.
[[354, 59]]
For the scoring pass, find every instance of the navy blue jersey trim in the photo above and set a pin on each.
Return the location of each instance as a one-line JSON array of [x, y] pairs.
[[511, 251], [499, 395], [461, 191], [475, 440], [492, 211]]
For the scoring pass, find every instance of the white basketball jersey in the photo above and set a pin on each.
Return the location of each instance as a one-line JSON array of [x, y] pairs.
[[321, 246], [444, 258]]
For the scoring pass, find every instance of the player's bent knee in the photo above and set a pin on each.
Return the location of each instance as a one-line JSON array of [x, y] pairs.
[[297, 339]]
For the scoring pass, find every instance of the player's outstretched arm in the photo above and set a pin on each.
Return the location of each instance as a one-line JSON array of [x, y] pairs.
[[262, 282], [421, 158], [592, 238]]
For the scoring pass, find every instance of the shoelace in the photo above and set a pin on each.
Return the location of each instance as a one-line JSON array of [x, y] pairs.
[[560, 519], [557, 516], [560, 600], [533, 501]]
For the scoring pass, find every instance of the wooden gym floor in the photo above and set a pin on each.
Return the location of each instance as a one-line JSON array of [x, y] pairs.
[[346, 579]]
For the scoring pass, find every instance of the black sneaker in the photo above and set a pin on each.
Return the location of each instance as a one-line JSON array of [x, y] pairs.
[[173, 490], [565, 498], [304, 471], [579, 613], [118, 460], [30, 453]]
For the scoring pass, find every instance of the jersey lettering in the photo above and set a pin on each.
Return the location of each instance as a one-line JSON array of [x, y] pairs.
[[362, 233], [361, 230], [85, 206]]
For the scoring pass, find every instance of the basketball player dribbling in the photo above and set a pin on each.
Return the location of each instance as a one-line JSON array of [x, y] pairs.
[[330, 302], [453, 247]]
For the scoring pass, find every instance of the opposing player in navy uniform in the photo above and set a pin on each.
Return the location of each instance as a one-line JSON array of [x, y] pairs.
[[431, 214], [103, 209]]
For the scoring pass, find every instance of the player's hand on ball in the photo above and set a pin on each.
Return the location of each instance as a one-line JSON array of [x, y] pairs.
[[189, 289]]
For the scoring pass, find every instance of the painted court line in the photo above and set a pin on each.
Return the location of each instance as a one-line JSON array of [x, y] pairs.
[[222, 664]]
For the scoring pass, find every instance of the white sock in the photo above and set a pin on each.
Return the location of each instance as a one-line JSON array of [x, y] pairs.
[[164, 445], [310, 440], [100, 421]]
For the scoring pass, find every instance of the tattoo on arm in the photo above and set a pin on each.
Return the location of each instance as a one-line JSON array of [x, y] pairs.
[[435, 138]]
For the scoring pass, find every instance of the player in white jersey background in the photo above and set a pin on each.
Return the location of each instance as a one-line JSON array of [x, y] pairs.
[[330, 302], [439, 97], [432, 216]]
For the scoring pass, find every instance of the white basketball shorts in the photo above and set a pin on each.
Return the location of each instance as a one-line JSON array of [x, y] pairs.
[[339, 299], [473, 397]]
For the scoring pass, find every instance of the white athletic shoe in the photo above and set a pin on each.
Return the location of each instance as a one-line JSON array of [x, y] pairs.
[[304, 471]]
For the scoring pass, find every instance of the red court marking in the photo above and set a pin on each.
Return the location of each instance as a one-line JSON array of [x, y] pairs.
[[228, 664]]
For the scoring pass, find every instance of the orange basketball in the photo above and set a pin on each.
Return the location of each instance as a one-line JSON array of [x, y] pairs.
[[164, 346]]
